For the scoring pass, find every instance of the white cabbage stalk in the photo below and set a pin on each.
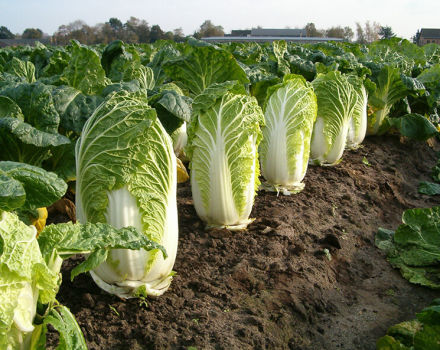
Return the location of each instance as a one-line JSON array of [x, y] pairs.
[[321, 153], [284, 151], [127, 270], [221, 210], [336, 99], [127, 176], [26, 308], [24, 315], [359, 121], [223, 140]]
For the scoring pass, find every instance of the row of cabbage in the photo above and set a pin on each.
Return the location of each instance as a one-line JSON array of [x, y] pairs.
[[108, 121]]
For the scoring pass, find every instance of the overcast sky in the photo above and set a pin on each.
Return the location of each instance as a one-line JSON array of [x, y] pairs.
[[403, 16]]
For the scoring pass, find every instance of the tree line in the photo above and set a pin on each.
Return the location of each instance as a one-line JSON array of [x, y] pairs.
[[132, 31], [139, 31], [365, 34]]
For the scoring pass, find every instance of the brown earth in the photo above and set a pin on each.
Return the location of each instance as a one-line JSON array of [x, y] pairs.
[[305, 275]]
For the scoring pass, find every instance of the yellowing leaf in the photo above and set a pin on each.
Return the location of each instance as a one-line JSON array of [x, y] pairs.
[[182, 174], [40, 221]]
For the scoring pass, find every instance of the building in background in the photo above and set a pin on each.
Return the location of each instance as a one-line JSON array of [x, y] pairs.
[[428, 36], [267, 35]]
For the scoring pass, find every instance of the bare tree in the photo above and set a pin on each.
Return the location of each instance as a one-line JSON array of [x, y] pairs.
[[360, 34], [78, 30], [311, 31], [369, 33], [348, 34], [179, 36], [208, 29]]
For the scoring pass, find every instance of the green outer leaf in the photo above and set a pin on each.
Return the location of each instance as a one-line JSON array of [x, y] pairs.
[[259, 87], [21, 262], [122, 63], [21, 142], [68, 239], [110, 53], [58, 61], [210, 95], [204, 66], [36, 102], [42, 188], [176, 104], [74, 107], [279, 48], [430, 77], [414, 126], [415, 246], [12, 193], [21, 69], [172, 109], [62, 162], [84, 71], [165, 54], [405, 331], [8, 108], [30, 135], [93, 261], [291, 110]]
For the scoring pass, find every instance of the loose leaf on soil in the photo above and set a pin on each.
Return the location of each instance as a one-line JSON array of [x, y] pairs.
[[414, 126], [365, 161], [414, 247], [429, 188], [422, 333]]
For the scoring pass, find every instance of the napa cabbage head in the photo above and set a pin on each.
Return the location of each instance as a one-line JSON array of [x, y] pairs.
[[223, 137], [336, 101], [358, 123], [289, 113], [126, 176], [390, 88]]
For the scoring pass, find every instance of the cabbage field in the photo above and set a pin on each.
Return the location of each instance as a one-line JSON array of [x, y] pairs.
[[232, 196]]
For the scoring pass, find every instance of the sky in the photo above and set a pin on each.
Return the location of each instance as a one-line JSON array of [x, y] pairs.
[[403, 16]]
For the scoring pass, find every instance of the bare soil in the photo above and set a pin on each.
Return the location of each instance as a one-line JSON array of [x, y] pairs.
[[304, 275]]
